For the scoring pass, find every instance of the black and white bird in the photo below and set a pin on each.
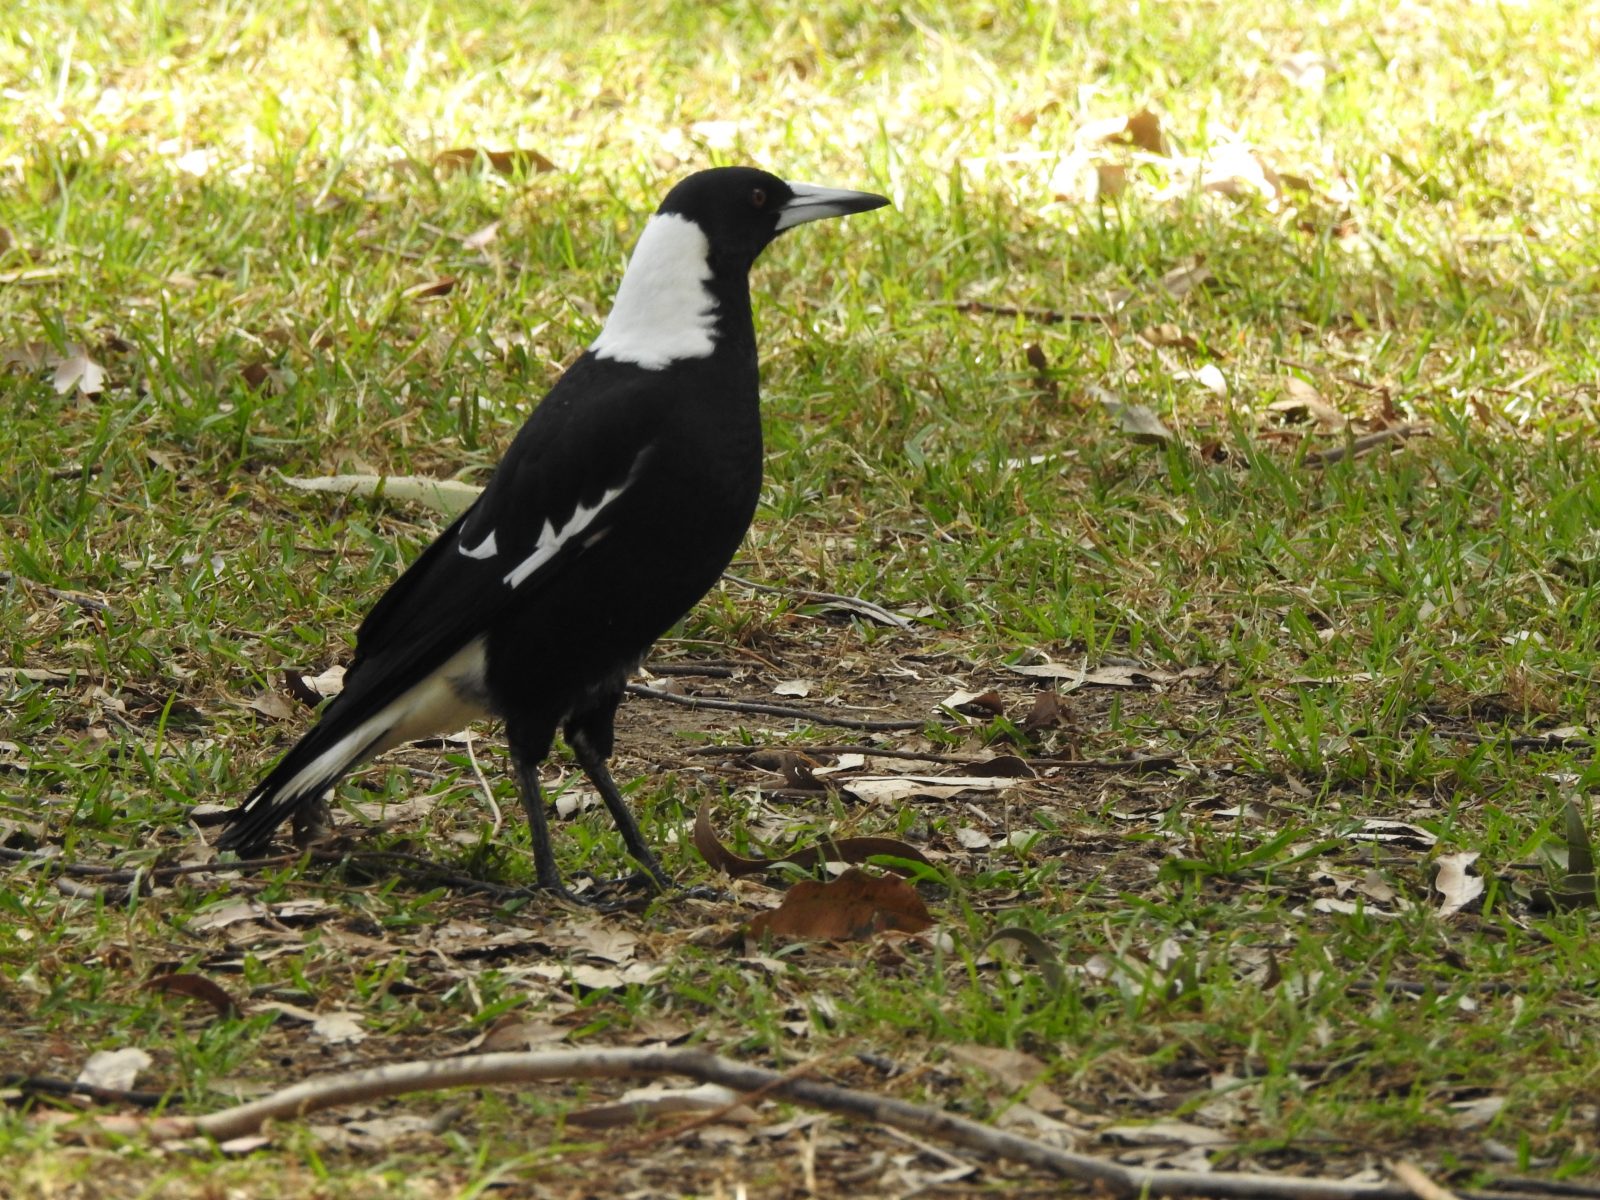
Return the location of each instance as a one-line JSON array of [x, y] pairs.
[[617, 507]]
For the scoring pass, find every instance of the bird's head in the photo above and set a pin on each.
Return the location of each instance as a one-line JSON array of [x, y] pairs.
[[686, 287], [742, 209]]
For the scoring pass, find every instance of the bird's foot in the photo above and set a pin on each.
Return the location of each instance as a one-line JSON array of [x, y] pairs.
[[625, 893]]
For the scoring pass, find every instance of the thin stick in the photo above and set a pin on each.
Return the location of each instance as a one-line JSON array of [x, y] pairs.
[[488, 792], [1364, 444], [1419, 1184], [78, 598], [360, 1087], [953, 760], [1045, 316], [1318, 369], [774, 710], [865, 607]]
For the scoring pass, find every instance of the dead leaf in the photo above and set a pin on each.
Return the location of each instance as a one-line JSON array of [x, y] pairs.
[[850, 908], [1167, 1133], [661, 1100], [794, 687], [1168, 334], [337, 1027], [848, 850], [1011, 1069], [195, 987], [34, 675], [891, 789], [441, 286], [448, 496], [975, 703], [1303, 400], [1137, 421], [1110, 675], [506, 162], [1048, 711], [1474, 1114], [480, 238], [115, 1070], [1307, 70], [1141, 129], [1038, 950], [76, 370], [1452, 882], [1208, 376], [30, 356], [1001, 766], [1384, 829], [512, 1033], [271, 704], [1179, 281], [1044, 385], [1239, 171]]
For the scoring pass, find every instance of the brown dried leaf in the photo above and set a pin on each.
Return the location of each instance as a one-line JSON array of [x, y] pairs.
[[195, 987], [441, 286], [506, 162], [1048, 711], [1303, 400], [849, 850], [852, 907], [1141, 129], [271, 704], [1011, 1069], [1168, 334], [255, 375]]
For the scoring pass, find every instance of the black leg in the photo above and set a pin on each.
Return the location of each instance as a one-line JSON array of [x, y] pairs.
[[529, 743], [590, 735], [547, 874]]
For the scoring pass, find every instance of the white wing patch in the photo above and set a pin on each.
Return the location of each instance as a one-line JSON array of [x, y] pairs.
[[553, 537], [442, 702], [484, 549], [664, 311]]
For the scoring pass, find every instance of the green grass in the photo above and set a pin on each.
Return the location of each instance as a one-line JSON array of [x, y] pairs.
[[228, 205]]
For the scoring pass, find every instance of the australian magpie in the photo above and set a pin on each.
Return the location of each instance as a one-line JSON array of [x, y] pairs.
[[617, 506]]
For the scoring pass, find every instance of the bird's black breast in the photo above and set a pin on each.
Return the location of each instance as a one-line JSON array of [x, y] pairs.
[[694, 476]]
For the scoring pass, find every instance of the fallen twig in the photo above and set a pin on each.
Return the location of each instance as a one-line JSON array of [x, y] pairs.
[[1045, 316], [1419, 1184], [854, 603], [953, 760], [1318, 369], [78, 598], [510, 1069], [44, 1085], [1364, 444], [773, 710]]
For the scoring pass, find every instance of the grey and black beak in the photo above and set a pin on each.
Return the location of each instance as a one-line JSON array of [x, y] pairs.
[[813, 203]]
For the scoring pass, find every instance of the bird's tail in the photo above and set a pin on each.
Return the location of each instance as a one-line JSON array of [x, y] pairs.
[[320, 759], [374, 712]]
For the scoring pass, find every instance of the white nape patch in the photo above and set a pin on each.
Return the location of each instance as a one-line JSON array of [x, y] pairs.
[[663, 311], [441, 702], [484, 549], [552, 537]]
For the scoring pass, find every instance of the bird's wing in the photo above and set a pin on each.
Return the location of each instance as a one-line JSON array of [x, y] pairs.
[[548, 501]]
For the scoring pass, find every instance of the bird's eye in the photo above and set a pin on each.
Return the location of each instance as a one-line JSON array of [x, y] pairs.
[[758, 198]]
